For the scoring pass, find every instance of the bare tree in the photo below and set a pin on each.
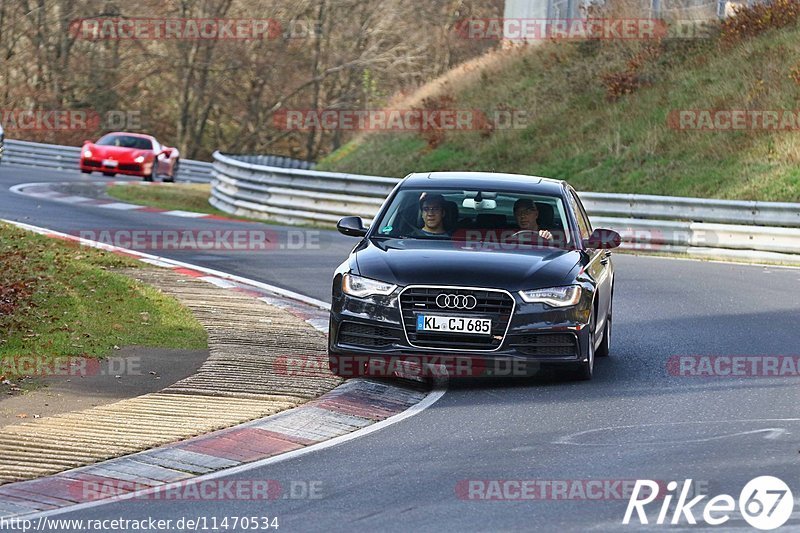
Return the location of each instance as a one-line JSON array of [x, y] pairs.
[[204, 94]]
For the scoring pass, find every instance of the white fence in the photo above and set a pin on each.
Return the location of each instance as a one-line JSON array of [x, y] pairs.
[[294, 196], [245, 186], [763, 231]]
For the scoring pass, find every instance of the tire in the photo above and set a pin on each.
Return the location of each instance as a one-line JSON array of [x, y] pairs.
[[86, 171], [153, 173], [109, 174], [171, 179], [605, 345], [585, 370]]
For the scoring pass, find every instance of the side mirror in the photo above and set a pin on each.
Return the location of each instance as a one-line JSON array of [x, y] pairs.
[[88, 141], [352, 226], [605, 239]]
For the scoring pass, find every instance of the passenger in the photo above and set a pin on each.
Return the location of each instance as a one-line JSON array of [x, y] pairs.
[[527, 214], [432, 207]]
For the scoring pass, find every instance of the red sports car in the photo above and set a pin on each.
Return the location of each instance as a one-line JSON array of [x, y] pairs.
[[133, 154]]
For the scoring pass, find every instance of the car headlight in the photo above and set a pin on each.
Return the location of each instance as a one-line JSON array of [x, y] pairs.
[[362, 287], [139, 159], [87, 153], [553, 296]]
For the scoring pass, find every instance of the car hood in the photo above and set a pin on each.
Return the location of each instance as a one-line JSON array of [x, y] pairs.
[[118, 152], [430, 262]]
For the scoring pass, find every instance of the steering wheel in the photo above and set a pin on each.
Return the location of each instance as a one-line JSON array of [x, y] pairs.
[[517, 233]]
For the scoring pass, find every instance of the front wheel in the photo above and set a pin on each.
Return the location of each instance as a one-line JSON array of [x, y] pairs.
[[171, 179], [585, 369], [605, 345], [153, 173]]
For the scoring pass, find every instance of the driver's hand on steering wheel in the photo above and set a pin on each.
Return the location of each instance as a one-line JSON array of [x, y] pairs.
[[544, 234]]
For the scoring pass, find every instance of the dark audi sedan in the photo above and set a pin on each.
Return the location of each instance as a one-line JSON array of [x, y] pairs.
[[476, 274]]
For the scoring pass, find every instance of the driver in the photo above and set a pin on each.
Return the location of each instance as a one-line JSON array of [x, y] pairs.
[[432, 208], [526, 213]]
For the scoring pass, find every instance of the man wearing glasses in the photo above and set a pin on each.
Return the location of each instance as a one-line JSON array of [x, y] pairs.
[[527, 215], [432, 208]]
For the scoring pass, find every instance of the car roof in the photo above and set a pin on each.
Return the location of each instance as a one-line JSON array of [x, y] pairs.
[[484, 180], [142, 135]]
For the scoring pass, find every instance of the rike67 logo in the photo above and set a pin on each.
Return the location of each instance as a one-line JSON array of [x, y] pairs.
[[765, 503]]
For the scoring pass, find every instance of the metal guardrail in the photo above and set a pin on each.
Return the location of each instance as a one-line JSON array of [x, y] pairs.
[[254, 186], [193, 171], [693, 209], [695, 226], [275, 161], [293, 196], [41, 155], [58, 157]]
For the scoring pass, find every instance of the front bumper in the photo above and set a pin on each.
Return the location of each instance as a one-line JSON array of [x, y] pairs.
[[365, 329], [128, 169]]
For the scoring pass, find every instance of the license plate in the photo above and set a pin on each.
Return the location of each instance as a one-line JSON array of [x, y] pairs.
[[109, 163], [454, 324]]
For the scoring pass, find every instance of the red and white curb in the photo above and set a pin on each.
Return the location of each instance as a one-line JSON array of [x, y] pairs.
[[352, 410], [182, 471], [46, 191]]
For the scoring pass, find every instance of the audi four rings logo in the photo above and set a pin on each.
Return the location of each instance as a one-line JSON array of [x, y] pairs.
[[456, 301]]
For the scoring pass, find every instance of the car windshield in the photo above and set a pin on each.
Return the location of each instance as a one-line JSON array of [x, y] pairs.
[[126, 141], [478, 217]]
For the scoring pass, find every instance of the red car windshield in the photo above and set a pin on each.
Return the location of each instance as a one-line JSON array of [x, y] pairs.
[[126, 141]]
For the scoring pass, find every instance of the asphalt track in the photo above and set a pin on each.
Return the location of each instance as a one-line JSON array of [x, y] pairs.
[[633, 421]]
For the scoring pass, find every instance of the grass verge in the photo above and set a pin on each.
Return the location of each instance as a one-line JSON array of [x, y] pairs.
[[581, 125], [59, 299], [184, 196]]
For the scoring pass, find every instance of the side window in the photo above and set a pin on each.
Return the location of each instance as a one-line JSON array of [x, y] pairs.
[[583, 221], [583, 213]]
